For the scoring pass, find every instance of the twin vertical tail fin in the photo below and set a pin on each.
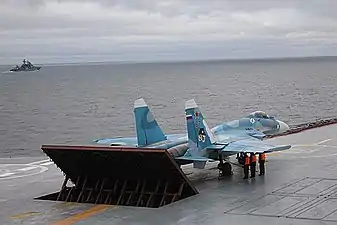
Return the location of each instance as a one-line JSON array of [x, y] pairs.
[[147, 128], [199, 135]]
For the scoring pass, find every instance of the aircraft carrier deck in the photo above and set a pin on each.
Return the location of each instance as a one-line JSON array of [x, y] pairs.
[[300, 187]]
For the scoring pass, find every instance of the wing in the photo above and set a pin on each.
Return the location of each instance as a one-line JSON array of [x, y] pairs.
[[244, 141], [253, 145]]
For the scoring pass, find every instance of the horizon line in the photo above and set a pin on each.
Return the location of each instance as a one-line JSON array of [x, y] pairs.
[[184, 60]]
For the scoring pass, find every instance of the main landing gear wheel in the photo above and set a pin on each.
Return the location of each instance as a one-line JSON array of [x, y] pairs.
[[225, 170]]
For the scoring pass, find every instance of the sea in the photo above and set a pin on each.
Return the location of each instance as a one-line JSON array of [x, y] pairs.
[[75, 104]]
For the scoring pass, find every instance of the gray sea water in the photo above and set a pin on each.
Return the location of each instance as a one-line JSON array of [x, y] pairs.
[[74, 104]]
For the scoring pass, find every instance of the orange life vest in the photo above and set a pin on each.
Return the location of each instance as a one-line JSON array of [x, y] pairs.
[[262, 157], [253, 158], [247, 162]]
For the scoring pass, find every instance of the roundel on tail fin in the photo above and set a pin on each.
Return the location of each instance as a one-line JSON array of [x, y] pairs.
[[202, 135]]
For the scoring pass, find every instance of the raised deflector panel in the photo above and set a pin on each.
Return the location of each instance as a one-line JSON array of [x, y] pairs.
[[118, 176]]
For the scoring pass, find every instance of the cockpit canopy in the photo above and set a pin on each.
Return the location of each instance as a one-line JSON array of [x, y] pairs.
[[259, 114]]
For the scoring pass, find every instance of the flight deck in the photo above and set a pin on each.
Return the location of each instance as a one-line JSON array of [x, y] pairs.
[[300, 187]]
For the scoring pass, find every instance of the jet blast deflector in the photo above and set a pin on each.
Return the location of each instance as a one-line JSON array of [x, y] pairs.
[[140, 177]]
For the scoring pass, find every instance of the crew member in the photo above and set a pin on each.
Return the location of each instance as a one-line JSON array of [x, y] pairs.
[[262, 160], [252, 165], [246, 166]]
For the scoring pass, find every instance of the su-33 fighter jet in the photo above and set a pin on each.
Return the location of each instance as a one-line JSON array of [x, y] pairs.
[[201, 143]]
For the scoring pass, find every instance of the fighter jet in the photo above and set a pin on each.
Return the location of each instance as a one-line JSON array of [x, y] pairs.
[[201, 143]]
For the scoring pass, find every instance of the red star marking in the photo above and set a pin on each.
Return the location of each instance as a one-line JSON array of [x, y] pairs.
[[196, 114]]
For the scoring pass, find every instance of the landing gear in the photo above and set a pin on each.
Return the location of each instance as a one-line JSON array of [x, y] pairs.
[[241, 159], [225, 168]]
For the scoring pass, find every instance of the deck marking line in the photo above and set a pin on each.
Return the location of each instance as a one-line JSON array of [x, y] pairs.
[[321, 142], [65, 204], [23, 215], [37, 162], [28, 168], [83, 215], [46, 164], [7, 177], [6, 174]]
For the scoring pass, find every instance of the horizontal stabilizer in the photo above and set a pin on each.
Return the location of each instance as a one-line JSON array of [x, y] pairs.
[[195, 158], [128, 141]]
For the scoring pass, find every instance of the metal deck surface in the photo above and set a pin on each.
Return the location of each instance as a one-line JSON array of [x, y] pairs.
[[300, 187]]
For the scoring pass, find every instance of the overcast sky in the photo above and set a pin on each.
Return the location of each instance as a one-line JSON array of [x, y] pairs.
[[139, 30]]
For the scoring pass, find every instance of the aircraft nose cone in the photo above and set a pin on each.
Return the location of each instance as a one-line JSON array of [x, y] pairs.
[[283, 126]]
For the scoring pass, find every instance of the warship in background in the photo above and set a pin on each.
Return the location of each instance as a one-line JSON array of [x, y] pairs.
[[25, 66]]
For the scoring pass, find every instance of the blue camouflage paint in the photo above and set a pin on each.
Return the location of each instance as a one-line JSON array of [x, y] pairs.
[[198, 139], [242, 135], [147, 129]]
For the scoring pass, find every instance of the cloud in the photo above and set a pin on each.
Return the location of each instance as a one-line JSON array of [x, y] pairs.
[[146, 29]]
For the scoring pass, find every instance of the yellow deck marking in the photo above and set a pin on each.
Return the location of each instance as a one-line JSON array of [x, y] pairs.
[[65, 204], [82, 215], [23, 215]]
